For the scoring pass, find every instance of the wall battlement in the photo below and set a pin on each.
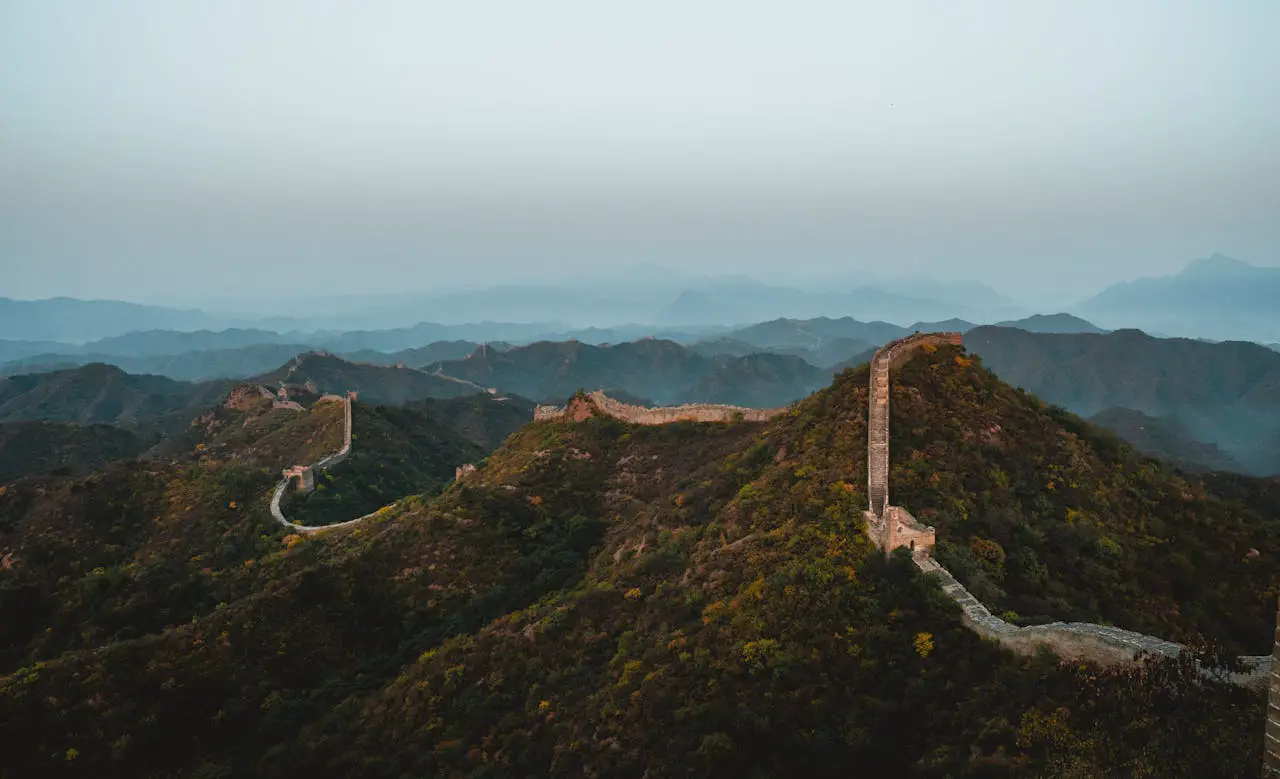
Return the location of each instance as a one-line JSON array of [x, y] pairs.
[[582, 407]]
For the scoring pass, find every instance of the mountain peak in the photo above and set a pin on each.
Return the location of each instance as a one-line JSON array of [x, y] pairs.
[[1217, 265]]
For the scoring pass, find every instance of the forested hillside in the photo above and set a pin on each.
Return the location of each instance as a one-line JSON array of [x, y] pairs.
[[609, 600]]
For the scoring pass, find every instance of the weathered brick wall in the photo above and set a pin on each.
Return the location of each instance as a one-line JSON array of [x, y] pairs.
[[661, 415]]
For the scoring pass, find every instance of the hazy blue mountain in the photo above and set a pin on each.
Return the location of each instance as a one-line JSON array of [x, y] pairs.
[[744, 302], [17, 350], [157, 342], [1226, 394], [1165, 438], [952, 325], [69, 319], [811, 333], [1053, 323], [414, 358], [1217, 297], [189, 366], [425, 333]]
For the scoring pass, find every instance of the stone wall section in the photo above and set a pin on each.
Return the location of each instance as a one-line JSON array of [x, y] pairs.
[[893, 526], [598, 402], [306, 476]]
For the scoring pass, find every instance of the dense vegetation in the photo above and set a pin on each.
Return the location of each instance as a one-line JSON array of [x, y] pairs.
[[607, 600], [35, 448], [1041, 514], [484, 420]]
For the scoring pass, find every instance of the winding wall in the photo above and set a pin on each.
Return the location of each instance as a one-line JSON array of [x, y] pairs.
[[304, 472], [892, 526]]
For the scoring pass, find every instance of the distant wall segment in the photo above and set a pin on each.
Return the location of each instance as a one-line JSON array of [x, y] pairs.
[[306, 473], [584, 406]]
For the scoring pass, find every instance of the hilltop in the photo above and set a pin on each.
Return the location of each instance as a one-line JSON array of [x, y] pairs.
[[104, 394], [321, 372], [661, 370], [607, 599]]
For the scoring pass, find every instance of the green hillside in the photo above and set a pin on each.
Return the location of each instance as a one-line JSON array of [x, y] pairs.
[[36, 448], [610, 600]]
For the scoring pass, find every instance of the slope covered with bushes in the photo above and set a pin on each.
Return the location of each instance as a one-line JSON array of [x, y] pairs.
[[602, 599]]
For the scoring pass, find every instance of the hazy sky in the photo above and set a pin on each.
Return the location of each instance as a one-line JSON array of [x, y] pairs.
[[153, 150]]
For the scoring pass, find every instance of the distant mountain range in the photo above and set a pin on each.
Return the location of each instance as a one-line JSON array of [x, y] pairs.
[[1217, 297], [660, 370], [238, 353]]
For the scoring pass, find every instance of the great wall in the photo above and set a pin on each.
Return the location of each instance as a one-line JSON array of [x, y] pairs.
[[582, 406], [305, 474], [893, 527], [890, 527]]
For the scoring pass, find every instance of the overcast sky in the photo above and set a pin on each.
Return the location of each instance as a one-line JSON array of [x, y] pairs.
[[162, 150]]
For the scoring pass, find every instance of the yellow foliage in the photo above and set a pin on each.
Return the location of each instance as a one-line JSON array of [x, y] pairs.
[[928, 348], [536, 500], [231, 505], [544, 705], [713, 611], [679, 500], [963, 362], [3, 489], [633, 593], [923, 644]]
